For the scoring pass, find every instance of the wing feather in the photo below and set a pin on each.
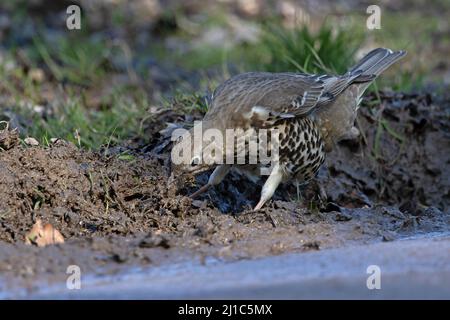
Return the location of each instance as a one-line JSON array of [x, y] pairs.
[[258, 97]]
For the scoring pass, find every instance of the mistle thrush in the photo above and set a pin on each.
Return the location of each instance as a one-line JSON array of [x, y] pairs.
[[305, 115]]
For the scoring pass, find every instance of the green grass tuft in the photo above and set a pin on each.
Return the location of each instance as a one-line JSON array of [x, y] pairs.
[[87, 127], [188, 102], [301, 50]]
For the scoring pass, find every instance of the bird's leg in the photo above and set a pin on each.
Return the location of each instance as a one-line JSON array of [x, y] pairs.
[[215, 178], [322, 193], [299, 194], [270, 186]]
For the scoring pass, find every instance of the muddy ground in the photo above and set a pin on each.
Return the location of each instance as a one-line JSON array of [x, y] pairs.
[[118, 212]]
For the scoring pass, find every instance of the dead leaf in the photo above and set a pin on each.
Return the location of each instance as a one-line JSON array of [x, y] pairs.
[[43, 235]]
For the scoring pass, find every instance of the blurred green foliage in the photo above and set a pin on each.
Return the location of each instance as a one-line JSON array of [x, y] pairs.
[[80, 61]]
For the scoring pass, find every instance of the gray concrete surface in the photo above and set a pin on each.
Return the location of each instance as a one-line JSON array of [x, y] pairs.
[[410, 269]]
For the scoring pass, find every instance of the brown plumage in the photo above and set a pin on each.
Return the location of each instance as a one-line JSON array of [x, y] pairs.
[[307, 114]]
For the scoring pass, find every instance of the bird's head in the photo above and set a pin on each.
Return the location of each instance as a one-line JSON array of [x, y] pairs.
[[195, 150], [337, 120]]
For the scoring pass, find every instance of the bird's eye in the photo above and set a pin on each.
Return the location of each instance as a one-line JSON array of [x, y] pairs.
[[195, 161], [179, 139]]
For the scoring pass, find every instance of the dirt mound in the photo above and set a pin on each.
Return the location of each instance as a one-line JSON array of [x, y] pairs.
[[81, 193]]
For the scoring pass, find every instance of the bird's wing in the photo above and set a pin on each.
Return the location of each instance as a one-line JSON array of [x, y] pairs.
[[259, 97]]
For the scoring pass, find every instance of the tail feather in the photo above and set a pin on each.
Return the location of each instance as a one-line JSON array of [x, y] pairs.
[[373, 64]]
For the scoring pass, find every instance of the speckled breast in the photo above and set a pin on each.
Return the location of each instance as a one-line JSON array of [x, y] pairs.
[[301, 147]]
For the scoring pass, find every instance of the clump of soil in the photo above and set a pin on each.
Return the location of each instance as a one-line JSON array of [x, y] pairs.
[[8, 138], [390, 183]]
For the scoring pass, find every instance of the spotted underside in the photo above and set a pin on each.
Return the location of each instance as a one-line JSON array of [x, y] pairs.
[[301, 149]]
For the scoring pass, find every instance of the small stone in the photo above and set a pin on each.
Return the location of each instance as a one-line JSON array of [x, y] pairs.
[[39, 109], [199, 203], [31, 141], [388, 236]]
